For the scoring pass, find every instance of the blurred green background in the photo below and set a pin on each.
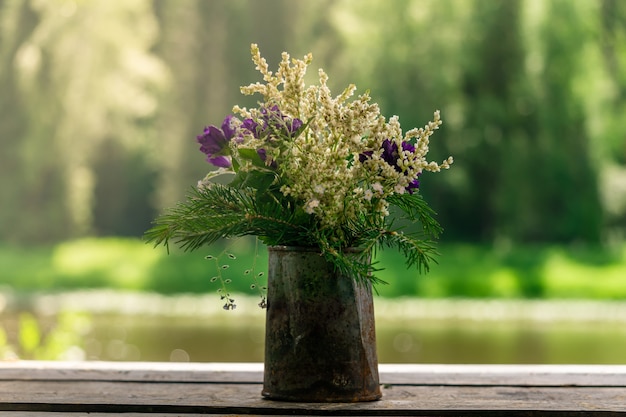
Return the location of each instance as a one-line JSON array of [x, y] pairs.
[[100, 103]]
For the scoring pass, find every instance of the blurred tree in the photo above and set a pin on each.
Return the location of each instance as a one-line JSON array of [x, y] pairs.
[[192, 46], [413, 66], [26, 190], [101, 102], [495, 90], [124, 193], [568, 198], [513, 115], [612, 41], [83, 73], [532, 167], [610, 112]]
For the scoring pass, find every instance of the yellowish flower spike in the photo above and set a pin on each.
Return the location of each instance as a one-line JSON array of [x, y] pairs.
[[344, 144], [310, 168]]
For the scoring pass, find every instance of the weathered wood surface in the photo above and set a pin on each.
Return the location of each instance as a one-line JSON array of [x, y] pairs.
[[175, 389]]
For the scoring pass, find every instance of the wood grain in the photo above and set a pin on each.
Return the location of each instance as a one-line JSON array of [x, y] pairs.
[[149, 389]]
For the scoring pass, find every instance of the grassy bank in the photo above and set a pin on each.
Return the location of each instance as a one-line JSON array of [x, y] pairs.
[[468, 271]]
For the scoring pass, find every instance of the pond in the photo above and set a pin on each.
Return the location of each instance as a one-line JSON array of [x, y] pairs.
[[143, 327]]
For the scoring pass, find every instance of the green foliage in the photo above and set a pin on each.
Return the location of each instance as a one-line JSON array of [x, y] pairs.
[[215, 212], [465, 271], [534, 271], [29, 334], [133, 182], [513, 86], [73, 75], [126, 264], [36, 339]]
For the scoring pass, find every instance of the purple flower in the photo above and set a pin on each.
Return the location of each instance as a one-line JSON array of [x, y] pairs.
[[407, 146], [251, 126], [390, 153], [227, 126], [413, 185], [272, 122], [365, 156], [212, 140], [294, 126], [214, 143], [391, 156], [220, 161], [263, 155]]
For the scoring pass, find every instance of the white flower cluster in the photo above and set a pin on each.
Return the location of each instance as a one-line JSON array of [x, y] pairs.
[[346, 158]]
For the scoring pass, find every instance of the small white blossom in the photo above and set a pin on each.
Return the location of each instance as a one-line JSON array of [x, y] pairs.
[[336, 163], [311, 205], [378, 188]]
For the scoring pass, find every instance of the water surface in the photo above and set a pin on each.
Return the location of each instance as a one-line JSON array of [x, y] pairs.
[[140, 327]]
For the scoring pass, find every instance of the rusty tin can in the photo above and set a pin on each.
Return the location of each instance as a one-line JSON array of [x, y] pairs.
[[320, 338]]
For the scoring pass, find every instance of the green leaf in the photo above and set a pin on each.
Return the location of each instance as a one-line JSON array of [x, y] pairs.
[[252, 155], [260, 180]]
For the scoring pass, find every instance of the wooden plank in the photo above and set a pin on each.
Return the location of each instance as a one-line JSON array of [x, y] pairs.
[[220, 398], [514, 375], [85, 414], [397, 374], [168, 389], [81, 414], [132, 371]]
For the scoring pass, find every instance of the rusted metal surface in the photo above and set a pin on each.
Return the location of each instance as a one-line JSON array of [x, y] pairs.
[[320, 343]]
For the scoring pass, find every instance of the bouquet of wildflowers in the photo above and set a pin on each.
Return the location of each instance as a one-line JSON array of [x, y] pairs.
[[309, 169]]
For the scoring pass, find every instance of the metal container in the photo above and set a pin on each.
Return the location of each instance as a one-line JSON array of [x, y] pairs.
[[320, 338]]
